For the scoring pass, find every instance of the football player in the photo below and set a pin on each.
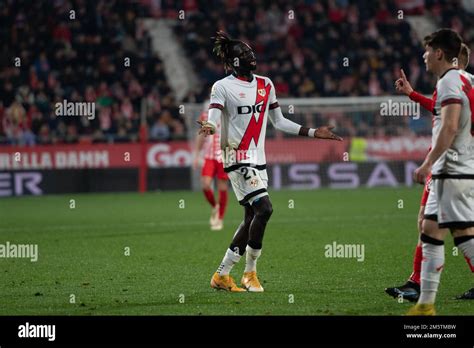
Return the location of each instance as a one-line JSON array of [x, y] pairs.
[[212, 169], [411, 289], [451, 163], [242, 102]]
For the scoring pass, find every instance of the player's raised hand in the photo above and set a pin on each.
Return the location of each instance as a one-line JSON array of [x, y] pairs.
[[402, 85], [324, 132], [206, 128]]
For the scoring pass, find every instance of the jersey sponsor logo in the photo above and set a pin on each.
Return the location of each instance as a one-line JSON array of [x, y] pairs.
[[255, 125], [249, 109]]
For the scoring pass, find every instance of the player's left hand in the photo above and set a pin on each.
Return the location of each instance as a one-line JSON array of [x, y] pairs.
[[324, 132], [421, 173]]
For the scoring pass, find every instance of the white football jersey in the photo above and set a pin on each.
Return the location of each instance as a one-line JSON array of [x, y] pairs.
[[455, 87], [244, 118]]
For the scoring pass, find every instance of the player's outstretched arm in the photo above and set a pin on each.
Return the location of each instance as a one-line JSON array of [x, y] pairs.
[[403, 86], [285, 125]]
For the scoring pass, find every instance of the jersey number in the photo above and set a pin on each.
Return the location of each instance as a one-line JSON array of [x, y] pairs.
[[245, 172]]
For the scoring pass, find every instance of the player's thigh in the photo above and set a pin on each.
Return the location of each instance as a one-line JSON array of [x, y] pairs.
[[207, 174], [222, 177], [463, 232], [456, 203], [247, 184], [222, 185], [431, 228]]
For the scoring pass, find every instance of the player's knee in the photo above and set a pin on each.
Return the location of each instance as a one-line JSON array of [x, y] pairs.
[[206, 184], [426, 226], [268, 210], [431, 240], [248, 219], [265, 210]]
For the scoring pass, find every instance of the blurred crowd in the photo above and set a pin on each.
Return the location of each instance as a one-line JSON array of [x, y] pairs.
[[324, 48], [309, 48], [80, 51]]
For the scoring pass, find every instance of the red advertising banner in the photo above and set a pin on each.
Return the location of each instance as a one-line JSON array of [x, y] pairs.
[[78, 156], [397, 148], [179, 153], [305, 150]]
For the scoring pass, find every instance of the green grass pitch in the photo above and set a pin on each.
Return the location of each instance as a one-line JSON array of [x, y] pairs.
[[173, 255]]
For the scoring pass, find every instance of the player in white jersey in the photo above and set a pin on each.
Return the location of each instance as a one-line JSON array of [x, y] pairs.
[[429, 221], [451, 162], [243, 102]]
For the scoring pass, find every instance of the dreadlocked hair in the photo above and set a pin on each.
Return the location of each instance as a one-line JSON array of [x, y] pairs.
[[222, 45]]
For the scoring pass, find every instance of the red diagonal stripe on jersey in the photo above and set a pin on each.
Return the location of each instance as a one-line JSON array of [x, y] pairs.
[[467, 88], [255, 126]]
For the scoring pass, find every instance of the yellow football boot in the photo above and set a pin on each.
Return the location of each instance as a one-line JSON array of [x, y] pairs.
[[225, 282], [422, 309], [251, 283]]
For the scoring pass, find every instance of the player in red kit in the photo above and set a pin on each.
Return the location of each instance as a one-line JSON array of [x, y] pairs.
[[212, 169]]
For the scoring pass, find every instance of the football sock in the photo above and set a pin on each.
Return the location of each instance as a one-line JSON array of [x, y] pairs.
[[431, 268], [466, 245], [251, 258], [209, 194], [229, 260], [415, 276], [222, 203]]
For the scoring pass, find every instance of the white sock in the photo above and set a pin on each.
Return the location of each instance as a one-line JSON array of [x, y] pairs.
[[229, 260], [467, 249], [251, 259], [431, 268]]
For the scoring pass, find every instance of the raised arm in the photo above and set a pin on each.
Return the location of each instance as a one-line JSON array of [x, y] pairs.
[[403, 86]]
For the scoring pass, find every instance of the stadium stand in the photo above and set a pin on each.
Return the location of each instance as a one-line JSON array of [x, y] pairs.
[[301, 47]]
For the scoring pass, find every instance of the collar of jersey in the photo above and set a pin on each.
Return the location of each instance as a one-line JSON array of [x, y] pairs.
[[245, 81], [444, 74]]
